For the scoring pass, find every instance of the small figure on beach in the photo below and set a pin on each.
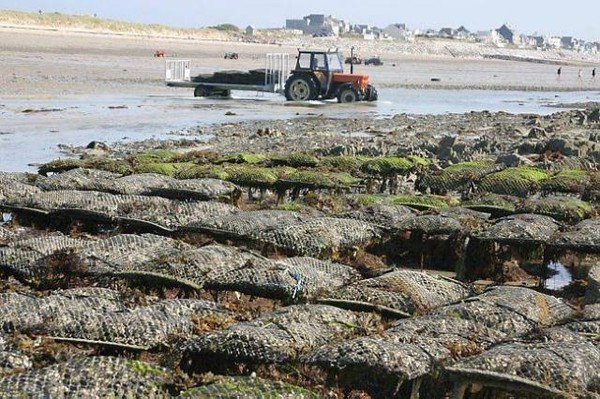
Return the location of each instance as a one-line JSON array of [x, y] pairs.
[[593, 73], [579, 73], [558, 71]]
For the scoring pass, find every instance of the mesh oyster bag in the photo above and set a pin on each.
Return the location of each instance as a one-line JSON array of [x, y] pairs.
[[567, 366], [402, 293], [276, 337], [320, 236], [247, 388], [92, 377]]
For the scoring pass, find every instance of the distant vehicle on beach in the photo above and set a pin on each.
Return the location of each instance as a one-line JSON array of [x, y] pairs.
[[231, 56], [373, 60], [353, 60]]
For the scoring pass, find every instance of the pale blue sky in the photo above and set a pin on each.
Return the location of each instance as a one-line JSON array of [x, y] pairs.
[[580, 18]]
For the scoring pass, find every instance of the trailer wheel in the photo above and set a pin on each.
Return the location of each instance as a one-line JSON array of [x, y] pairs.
[[348, 94], [300, 88], [201, 91]]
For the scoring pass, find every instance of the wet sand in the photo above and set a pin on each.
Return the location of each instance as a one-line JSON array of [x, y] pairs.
[[54, 63]]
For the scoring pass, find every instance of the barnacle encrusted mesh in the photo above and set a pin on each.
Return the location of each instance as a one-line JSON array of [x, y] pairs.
[[100, 316], [584, 236], [20, 257], [25, 313], [5, 234], [589, 323], [493, 203], [414, 347], [92, 377], [402, 292], [592, 292], [289, 279], [248, 224], [247, 388], [195, 189], [560, 208], [79, 179], [380, 214], [276, 337], [410, 349], [520, 228], [161, 211], [429, 224], [470, 220], [457, 177], [565, 365], [320, 236], [514, 310], [14, 192], [11, 357], [168, 261], [124, 251]]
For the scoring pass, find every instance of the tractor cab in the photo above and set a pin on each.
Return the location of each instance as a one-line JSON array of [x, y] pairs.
[[320, 75]]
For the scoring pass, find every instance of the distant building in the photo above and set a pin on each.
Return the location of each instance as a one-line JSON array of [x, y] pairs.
[[538, 42], [317, 25], [447, 33], [396, 31], [567, 42], [553, 42], [463, 33], [250, 30], [509, 34], [491, 37]]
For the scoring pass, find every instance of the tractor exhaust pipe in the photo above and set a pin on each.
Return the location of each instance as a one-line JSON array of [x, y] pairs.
[[352, 60]]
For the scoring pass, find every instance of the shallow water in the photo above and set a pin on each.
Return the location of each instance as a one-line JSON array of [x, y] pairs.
[[560, 278], [31, 129]]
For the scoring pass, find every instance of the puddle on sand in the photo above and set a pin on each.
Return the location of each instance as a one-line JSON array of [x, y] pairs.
[[6, 218], [560, 276]]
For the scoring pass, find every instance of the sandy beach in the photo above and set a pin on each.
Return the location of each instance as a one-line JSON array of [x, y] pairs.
[[50, 63]]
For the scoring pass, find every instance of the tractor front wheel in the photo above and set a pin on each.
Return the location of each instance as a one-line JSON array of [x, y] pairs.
[[371, 93], [300, 88], [348, 94]]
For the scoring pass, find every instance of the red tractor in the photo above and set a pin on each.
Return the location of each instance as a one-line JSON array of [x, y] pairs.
[[320, 75]]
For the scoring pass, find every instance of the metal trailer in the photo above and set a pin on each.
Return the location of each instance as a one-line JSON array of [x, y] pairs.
[[178, 74]]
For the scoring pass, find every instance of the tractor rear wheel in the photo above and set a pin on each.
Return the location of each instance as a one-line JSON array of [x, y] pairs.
[[300, 88], [201, 91], [348, 94]]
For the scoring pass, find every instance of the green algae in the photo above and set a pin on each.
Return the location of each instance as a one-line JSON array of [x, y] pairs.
[[203, 171], [248, 387], [154, 156], [388, 166], [567, 181], [295, 159], [560, 208], [459, 177], [167, 169], [425, 201], [108, 165], [344, 163], [244, 158], [518, 181], [251, 176]]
